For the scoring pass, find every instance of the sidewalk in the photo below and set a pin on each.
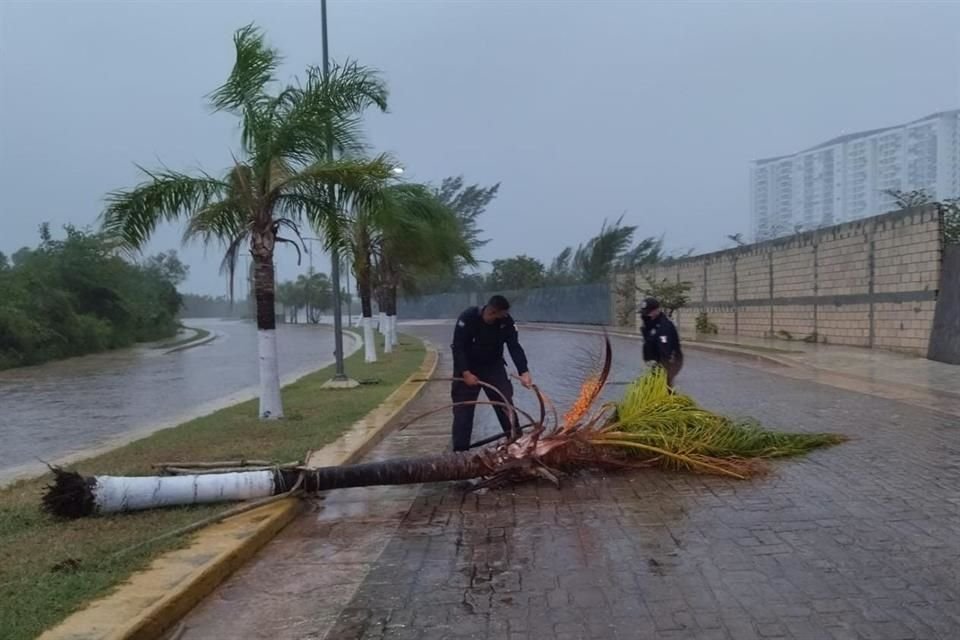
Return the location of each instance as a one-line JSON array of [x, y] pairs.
[[875, 365]]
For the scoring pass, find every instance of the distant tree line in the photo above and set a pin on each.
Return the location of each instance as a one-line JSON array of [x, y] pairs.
[[204, 306], [595, 260], [79, 295], [308, 297], [611, 250]]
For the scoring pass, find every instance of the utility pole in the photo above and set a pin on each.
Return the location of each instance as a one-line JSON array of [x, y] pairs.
[[340, 379]]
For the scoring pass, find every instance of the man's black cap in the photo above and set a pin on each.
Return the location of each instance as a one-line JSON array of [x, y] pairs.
[[648, 305]]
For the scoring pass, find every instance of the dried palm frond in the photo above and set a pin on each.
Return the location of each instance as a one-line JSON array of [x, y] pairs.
[[589, 390]]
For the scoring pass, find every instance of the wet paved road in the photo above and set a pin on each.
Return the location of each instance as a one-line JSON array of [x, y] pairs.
[[60, 408], [858, 541]]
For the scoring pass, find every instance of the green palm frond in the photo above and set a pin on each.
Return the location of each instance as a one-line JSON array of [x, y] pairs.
[[655, 419], [358, 182], [417, 234], [217, 222], [647, 252], [595, 260], [283, 179], [231, 255], [352, 87], [324, 109], [133, 215], [253, 70], [324, 192]]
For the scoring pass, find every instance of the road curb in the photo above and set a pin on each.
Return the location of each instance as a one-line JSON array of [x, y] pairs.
[[364, 434], [199, 342], [154, 599]]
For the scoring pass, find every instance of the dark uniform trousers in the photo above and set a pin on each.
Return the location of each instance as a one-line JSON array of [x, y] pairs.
[[495, 375], [673, 364]]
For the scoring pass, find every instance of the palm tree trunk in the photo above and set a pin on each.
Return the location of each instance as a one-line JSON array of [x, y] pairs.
[[385, 280], [384, 305], [379, 272], [381, 306], [364, 278], [75, 496], [392, 313], [271, 406], [436, 468]]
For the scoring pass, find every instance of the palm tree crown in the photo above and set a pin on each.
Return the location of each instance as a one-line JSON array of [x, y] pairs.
[[281, 179]]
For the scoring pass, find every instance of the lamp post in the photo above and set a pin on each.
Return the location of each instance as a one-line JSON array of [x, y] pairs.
[[340, 379], [346, 267]]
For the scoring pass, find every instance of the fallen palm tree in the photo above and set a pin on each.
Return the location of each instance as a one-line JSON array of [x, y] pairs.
[[651, 426]]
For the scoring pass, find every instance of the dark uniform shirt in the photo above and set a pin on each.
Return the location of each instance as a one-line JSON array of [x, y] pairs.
[[478, 345], [660, 339]]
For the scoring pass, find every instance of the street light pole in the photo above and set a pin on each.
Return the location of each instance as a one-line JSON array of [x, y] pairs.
[[349, 301], [340, 379]]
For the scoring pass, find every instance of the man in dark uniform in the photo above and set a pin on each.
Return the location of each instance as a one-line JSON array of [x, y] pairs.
[[478, 341], [661, 343]]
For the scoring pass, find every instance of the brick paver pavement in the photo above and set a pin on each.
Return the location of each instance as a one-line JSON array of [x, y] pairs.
[[857, 541]]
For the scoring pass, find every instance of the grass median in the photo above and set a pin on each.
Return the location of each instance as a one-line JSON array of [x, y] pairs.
[[50, 568]]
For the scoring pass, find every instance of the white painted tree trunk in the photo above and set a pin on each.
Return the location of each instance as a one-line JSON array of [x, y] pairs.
[[387, 336], [369, 346], [113, 494], [271, 406], [393, 330], [382, 323]]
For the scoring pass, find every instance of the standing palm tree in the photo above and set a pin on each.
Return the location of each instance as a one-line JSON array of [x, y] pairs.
[[315, 291], [359, 247], [287, 295], [406, 228], [421, 236], [280, 181]]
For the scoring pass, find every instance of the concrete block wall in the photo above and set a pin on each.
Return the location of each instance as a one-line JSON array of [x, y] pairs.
[[843, 260], [847, 324], [794, 279], [723, 316], [722, 278], [904, 326], [623, 299], [870, 283], [753, 291], [907, 258]]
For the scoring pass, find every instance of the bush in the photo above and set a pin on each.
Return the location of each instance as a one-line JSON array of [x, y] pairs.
[[951, 221], [76, 296], [704, 325]]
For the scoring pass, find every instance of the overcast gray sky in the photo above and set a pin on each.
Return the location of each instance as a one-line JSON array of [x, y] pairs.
[[583, 110]]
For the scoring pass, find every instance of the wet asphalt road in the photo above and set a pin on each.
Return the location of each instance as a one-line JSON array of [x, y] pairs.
[[853, 542], [62, 408]]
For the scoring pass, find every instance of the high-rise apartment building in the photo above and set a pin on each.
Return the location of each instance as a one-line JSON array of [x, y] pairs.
[[845, 178]]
